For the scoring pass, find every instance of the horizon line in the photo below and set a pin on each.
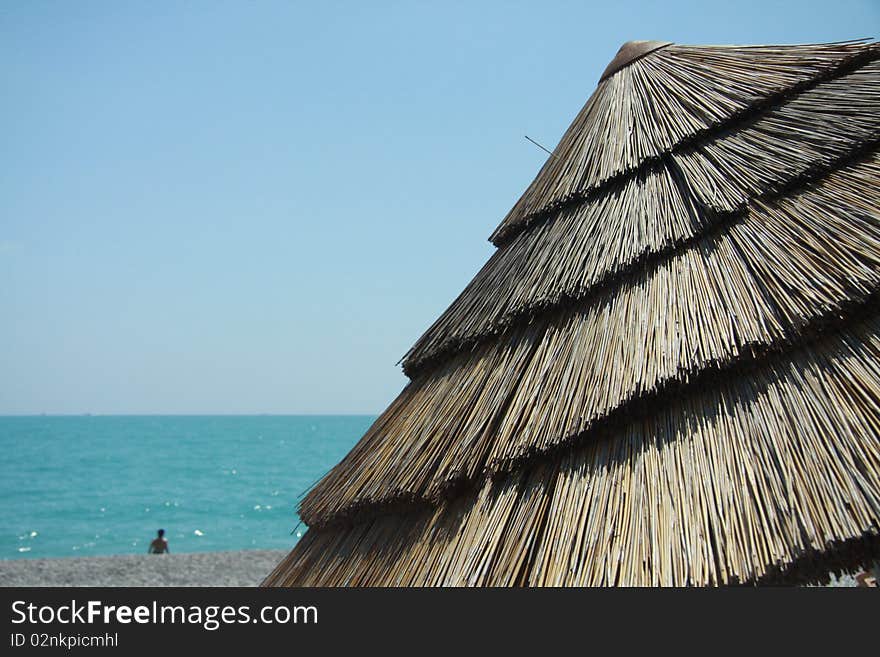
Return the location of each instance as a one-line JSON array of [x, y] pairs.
[[2, 415]]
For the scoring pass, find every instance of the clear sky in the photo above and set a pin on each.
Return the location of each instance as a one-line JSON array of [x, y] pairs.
[[257, 207]]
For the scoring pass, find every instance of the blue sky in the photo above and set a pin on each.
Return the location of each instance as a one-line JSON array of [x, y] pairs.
[[237, 207]]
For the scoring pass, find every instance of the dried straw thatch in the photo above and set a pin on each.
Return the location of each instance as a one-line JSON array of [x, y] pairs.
[[669, 371]]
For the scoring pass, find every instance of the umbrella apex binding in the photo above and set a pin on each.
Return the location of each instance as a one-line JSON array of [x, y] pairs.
[[630, 52]]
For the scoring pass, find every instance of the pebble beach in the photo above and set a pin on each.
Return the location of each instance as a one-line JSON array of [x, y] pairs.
[[241, 568]]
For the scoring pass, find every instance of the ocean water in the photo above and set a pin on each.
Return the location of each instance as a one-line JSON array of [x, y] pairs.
[[98, 485]]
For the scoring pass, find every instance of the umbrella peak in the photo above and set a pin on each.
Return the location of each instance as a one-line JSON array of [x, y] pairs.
[[630, 52]]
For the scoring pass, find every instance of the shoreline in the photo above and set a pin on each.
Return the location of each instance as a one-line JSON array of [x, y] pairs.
[[227, 568]]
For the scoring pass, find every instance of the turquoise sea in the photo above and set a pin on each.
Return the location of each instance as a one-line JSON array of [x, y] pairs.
[[97, 485]]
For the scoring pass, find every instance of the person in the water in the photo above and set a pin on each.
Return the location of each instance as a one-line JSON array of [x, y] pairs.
[[159, 545]]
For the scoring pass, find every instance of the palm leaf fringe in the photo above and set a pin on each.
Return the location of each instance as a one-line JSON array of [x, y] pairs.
[[741, 483], [669, 372]]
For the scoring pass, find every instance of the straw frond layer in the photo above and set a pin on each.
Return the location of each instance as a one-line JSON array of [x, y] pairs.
[[400, 453], [784, 271], [670, 98], [587, 245], [741, 483], [563, 260], [808, 133]]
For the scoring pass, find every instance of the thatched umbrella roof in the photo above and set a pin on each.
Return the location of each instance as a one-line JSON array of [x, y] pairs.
[[669, 370]]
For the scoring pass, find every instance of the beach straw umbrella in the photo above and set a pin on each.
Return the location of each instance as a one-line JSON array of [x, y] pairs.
[[668, 373]]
